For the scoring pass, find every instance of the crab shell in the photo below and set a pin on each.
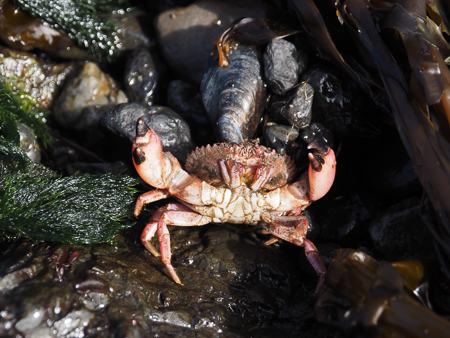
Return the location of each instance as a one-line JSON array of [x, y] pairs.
[[205, 163]]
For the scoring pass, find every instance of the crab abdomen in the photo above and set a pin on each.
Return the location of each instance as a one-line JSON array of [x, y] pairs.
[[239, 205]]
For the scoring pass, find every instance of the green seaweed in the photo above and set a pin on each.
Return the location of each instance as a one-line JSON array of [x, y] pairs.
[[37, 204], [15, 108], [83, 20]]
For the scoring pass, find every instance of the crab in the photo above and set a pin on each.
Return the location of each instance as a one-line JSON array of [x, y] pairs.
[[243, 183]]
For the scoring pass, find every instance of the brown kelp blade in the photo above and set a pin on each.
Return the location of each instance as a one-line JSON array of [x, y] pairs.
[[419, 97]]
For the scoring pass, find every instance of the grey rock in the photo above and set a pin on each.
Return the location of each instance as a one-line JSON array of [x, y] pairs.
[[185, 33], [234, 286], [280, 137], [28, 142], [170, 127], [144, 75], [400, 233], [281, 68], [294, 108]]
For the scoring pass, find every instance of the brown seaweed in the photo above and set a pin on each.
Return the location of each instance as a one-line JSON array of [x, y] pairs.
[[361, 294], [417, 94]]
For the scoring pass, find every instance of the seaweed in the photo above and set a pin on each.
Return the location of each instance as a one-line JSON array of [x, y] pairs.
[[37, 204], [16, 108], [83, 20]]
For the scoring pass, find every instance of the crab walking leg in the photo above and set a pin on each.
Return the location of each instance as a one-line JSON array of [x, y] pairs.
[[263, 174], [178, 218], [152, 226], [314, 259], [149, 197], [231, 173], [295, 235]]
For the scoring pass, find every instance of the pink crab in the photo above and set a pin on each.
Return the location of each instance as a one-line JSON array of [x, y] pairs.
[[236, 183]]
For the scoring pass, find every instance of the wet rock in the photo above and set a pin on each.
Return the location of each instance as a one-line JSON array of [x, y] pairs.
[[28, 142], [345, 217], [65, 152], [336, 101], [21, 31], [186, 100], [388, 171], [170, 127], [234, 285], [400, 233], [114, 168], [131, 32], [39, 79], [144, 76], [281, 68], [281, 138], [185, 33], [294, 108], [76, 107], [316, 131]]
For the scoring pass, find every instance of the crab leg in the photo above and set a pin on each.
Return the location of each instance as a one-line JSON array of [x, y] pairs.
[[312, 254], [149, 197], [179, 218], [263, 174], [152, 226], [231, 172], [295, 235]]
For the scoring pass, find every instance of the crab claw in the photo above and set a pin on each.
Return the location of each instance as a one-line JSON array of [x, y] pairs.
[[322, 169], [147, 154]]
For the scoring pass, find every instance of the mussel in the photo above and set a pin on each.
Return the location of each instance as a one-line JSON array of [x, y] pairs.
[[234, 96]]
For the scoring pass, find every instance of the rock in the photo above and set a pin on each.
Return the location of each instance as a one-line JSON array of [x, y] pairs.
[[21, 31], [233, 286], [337, 103], [185, 33], [115, 168], [281, 68], [294, 107], [130, 32], [281, 138], [170, 127], [28, 142], [186, 100], [400, 233], [346, 216], [24, 73], [144, 77], [90, 88]]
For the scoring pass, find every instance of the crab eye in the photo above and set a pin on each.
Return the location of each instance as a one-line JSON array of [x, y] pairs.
[[138, 156]]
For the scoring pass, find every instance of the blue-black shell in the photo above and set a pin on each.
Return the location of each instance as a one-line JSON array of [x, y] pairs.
[[234, 96]]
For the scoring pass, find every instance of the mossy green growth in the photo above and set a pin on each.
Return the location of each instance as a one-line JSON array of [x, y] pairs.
[[83, 20], [37, 204], [14, 108]]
